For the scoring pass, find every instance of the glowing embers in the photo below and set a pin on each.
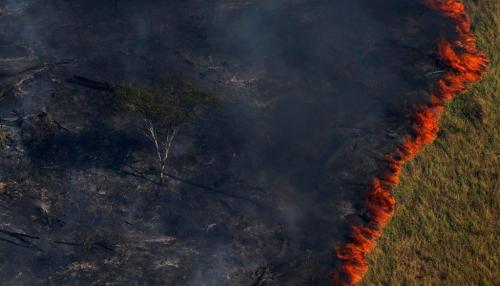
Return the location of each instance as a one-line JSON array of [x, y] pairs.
[[466, 65]]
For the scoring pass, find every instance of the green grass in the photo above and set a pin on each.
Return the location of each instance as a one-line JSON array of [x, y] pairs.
[[446, 230], [3, 137]]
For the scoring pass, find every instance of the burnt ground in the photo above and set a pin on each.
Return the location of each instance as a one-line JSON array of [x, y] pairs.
[[260, 189]]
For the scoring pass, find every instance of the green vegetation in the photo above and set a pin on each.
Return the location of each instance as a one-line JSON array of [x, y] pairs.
[[164, 110], [3, 137], [446, 230], [175, 102]]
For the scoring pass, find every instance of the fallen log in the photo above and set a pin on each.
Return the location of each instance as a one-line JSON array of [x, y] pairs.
[[89, 83]]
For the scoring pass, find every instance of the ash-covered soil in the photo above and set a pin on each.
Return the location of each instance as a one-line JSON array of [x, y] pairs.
[[260, 189]]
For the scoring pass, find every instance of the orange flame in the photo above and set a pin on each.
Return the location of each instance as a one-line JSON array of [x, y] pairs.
[[466, 65]]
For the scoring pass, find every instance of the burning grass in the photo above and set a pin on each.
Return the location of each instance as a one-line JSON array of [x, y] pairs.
[[446, 230], [465, 66]]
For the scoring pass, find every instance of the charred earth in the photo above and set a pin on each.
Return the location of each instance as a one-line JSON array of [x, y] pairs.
[[259, 189]]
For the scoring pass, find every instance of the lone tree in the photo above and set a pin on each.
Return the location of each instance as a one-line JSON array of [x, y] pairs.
[[164, 110]]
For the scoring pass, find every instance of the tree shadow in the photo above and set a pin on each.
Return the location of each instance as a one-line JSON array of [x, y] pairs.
[[95, 146]]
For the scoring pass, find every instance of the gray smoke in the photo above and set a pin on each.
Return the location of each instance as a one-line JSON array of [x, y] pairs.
[[313, 93]]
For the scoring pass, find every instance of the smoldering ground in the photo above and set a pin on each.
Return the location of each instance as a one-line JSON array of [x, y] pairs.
[[312, 94]]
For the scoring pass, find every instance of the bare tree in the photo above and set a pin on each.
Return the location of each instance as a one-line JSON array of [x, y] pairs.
[[164, 111], [162, 147]]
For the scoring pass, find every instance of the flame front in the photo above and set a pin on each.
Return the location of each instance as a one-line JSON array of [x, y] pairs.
[[466, 65]]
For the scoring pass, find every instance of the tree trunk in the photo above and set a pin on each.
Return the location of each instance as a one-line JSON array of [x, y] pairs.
[[162, 155], [162, 173]]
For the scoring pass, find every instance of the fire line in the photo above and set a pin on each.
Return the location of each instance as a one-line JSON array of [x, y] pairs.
[[466, 65]]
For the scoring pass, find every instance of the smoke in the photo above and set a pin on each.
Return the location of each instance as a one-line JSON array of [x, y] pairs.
[[312, 93]]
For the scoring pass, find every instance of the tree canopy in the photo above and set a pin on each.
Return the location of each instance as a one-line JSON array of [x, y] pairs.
[[172, 103]]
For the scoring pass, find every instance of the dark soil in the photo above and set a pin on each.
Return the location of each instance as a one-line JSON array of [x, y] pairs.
[[260, 189]]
